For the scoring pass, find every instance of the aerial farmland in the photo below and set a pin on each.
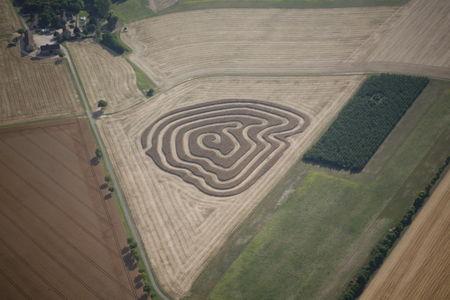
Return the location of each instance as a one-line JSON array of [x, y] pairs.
[[212, 149]]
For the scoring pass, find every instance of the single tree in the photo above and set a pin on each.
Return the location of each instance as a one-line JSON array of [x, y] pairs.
[[112, 22], [102, 104], [135, 253], [107, 178], [98, 153], [91, 28], [150, 92], [147, 288], [21, 31], [111, 189]]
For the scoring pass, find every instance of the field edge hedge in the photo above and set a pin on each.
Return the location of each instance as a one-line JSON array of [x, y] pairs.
[[356, 286]]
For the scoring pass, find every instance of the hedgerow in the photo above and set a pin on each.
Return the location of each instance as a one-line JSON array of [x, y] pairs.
[[113, 41], [365, 121], [356, 286]]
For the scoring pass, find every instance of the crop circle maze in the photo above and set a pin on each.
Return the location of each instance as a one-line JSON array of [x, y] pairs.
[[222, 147]]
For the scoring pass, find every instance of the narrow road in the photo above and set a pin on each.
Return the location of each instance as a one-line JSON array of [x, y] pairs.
[[110, 170]]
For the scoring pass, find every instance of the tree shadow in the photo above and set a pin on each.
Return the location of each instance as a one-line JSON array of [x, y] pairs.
[[143, 297], [97, 114], [125, 250], [138, 285], [103, 186], [138, 278], [129, 261], [94, 161], [108, 196]]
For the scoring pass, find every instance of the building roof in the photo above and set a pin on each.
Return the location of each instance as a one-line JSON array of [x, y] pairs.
[[50, 47]]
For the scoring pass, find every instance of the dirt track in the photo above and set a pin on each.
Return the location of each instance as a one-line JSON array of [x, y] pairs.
[[187, 226], [59, 237], [419, 266]]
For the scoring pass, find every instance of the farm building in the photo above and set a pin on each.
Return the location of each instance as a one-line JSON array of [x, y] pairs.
[[50, 49]]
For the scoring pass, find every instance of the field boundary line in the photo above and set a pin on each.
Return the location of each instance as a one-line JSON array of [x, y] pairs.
[[358, 69], [105, 207], [109, 168]]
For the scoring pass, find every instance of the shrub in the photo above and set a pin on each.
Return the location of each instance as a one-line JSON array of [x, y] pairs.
[[98, 153], [91, 28], [112, 41], [147, 288], [102, 103]]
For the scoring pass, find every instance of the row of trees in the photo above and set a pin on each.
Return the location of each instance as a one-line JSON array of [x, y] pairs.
[[381, 250], [366, 121], [132, 244]]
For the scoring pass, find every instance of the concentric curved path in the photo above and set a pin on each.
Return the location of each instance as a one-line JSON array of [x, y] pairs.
[[222, 147]]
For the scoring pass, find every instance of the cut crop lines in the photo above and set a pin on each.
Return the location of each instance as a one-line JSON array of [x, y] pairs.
[[222, 147], [53, 204]]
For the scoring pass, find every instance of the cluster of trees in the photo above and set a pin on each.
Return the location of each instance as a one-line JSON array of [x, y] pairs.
[[381, 250], [49, 12], [112, 41], [365, 121]]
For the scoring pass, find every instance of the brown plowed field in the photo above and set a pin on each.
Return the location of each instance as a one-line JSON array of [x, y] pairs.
[[31, 90], [181, 226], [419, 266], [59, 236], [175, 47], [105, 76]]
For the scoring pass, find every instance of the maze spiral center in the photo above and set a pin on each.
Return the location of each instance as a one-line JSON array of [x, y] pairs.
[[222, 147]]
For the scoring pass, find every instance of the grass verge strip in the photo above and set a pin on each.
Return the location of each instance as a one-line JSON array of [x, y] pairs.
[[356, 286]]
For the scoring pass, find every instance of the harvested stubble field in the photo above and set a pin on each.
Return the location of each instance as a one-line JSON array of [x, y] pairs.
[[9, 21], [176, 47], [417, 34], [59, 237], [105, 76], [182, 227], [419, 266], [31, 90]]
